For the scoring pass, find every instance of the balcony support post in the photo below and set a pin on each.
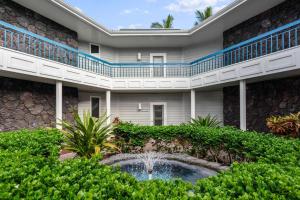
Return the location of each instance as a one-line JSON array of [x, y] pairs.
[[193, 104], [108, 106], [243, 105], [59, 106]]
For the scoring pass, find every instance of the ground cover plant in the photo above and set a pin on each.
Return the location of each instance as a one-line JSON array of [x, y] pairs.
[[30, 169]]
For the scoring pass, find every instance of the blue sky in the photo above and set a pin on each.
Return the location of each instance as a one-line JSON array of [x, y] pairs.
[[116, 14]]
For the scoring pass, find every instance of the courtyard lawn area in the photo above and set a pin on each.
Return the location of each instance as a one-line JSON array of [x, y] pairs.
[[263, 166]]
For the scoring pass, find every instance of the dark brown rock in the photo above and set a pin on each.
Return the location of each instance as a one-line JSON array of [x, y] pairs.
[[264, 99], [20, 16], [26, 104], [282, 14]]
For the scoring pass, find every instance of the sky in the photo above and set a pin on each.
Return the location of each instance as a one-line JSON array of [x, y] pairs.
[[118, 14]]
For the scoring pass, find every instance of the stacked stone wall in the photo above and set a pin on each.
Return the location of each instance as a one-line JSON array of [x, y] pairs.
[[22, 17], [264, 99], [27, 104]]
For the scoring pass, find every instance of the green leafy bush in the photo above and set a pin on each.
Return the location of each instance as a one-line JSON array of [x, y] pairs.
[[29, 168], [217, 143], [36, 142]]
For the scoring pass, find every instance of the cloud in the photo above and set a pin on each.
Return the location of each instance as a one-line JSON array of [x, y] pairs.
[[192, 5], [134, 10]]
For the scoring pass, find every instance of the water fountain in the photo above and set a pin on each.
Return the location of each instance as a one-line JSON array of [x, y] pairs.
[[149, 159], [152, 165]]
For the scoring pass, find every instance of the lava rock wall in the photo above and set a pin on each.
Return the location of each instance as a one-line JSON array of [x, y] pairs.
[[264, 99], [22, 17], [27, 104], [282, 14]]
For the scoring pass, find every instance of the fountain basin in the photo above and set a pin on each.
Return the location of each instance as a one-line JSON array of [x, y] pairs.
[[167, 167]]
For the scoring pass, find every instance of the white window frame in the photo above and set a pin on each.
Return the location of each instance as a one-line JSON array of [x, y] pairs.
[[99, 104], [165, 121], [94, 54], [164, 55]]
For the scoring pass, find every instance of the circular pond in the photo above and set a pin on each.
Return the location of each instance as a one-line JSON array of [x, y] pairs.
[[165, 170]]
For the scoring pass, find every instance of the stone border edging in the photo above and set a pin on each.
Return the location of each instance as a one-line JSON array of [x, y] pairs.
[[177, 157]]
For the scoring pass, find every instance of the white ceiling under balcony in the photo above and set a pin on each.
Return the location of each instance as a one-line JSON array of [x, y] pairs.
[[90, 31]]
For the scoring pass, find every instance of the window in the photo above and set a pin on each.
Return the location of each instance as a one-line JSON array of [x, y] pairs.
[[95, 107], [95, 49]]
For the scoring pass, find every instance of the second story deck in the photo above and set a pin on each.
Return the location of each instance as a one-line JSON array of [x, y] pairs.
[[282, 39]]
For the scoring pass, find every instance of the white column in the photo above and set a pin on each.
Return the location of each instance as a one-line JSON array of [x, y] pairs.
[[193, 104], [59, 99], [108, 105], [243, 105]]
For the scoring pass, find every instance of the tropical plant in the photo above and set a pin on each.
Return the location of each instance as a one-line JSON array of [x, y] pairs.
[[285, 125], [203, 15], [167, 23], [29, 168], [88, 136], [207, 121]]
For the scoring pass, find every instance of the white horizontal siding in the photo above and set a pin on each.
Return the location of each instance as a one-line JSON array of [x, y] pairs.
[[130, 55], [210, 102], [197, 51], [84, 104], [106, 53], [125, 106]]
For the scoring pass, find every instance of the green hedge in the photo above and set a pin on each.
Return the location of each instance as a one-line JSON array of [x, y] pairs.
[[240, 145], [36, 142], [29, 168]]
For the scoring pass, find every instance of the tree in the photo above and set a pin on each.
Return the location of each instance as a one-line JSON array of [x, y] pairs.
[[167, 23], [203, 15]]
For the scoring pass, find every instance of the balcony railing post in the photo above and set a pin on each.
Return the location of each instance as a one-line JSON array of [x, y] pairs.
[[258, 46]]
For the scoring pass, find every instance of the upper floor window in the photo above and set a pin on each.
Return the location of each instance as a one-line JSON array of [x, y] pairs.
[[95, 50]]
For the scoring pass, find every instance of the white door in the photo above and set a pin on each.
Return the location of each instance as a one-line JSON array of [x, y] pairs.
[[158, 114], [158, 67]]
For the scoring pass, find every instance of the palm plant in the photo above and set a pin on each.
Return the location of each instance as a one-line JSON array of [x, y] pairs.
[[167, 23], [88, 136], [207, 121], [201, 16]]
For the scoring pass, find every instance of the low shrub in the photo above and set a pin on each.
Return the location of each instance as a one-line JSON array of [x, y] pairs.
[[36, 142], [224, 145], [30, 170], [252, 181]]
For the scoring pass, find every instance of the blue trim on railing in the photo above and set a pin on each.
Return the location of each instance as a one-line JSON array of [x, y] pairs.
[[51, 41], [297, 22], [227, 56]]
